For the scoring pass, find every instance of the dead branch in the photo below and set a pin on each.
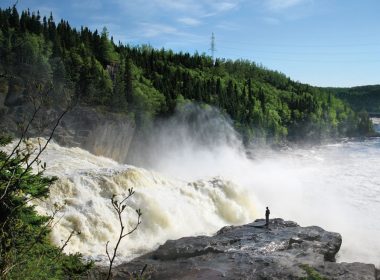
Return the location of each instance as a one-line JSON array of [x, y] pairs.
[[72, 234], [119, 208]]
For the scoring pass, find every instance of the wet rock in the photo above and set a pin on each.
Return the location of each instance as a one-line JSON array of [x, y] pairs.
[[282, 251], [349, 271], [102, 133]]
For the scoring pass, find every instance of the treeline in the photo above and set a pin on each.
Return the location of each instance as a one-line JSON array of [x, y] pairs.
[[363, 98], [148, 83]]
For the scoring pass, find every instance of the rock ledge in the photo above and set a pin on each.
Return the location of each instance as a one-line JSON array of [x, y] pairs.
[[283, 251]]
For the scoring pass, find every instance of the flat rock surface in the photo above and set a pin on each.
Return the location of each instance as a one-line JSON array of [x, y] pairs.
[[284, 250]]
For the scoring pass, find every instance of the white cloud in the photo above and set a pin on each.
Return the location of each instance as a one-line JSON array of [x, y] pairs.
[[187, 8], [215, 7], [276, 5], [226, 5], [174, 20], [150, 30], [203, 6], [184, 40], [225, 25], [171, 36], [189, 21]]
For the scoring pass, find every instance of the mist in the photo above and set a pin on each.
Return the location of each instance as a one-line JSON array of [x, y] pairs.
[[194, 176], [195, 143], [332, 186]]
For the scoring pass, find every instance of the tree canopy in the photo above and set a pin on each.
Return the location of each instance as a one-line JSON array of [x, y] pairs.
[[147, 83]]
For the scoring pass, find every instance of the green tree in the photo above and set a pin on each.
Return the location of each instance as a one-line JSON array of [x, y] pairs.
[[25, 248]]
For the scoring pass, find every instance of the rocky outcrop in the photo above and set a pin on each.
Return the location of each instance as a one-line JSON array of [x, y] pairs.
[[283, 251], [102, 133]]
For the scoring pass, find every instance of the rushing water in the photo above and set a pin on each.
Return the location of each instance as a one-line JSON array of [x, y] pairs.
[[171, 208], [334, 186], [196, 189]]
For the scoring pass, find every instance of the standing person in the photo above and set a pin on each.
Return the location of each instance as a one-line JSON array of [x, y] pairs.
[[267, 212]]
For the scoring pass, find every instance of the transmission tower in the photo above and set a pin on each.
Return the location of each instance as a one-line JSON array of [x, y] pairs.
[[212, 49]]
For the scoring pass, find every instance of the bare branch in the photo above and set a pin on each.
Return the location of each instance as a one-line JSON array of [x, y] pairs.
[[119, 208], [130, 193], [7, 186], [47, 142], [22, 137], [136, 226], [72, 233], [108, 255]]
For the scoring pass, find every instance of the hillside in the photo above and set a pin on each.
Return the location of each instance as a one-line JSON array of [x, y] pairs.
[[86, 67], [361, 98]]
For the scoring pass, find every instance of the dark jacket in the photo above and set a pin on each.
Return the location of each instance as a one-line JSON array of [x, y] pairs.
[[267, 212]]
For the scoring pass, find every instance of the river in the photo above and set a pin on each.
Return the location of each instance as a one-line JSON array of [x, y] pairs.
[[193, 188]]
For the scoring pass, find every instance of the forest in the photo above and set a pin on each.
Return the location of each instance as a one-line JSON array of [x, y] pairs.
[[87, 68], [147, 83], [365, 98]]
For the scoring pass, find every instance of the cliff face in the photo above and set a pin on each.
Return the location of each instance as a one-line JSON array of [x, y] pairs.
[[283, 251], [102, 133]]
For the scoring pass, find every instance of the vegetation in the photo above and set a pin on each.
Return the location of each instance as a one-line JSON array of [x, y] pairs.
[[364, 98], [312, 274], [25, 249], [148, 83]]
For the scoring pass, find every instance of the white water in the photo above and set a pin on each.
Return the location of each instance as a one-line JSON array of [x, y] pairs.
[[336, 187], [171, 208]]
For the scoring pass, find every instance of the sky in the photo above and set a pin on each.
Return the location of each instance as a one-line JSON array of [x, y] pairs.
[[319, 42]]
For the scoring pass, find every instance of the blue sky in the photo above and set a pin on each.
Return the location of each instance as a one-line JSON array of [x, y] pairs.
[[321, 42]]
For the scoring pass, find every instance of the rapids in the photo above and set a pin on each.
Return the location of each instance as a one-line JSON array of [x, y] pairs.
[[171, 208], [199, 178], [334, 186]]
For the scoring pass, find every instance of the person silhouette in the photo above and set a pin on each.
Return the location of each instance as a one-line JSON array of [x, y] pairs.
[[267, 212]]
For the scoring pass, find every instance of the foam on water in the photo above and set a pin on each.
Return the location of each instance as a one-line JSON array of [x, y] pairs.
[[334, 186], [171, 208]]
